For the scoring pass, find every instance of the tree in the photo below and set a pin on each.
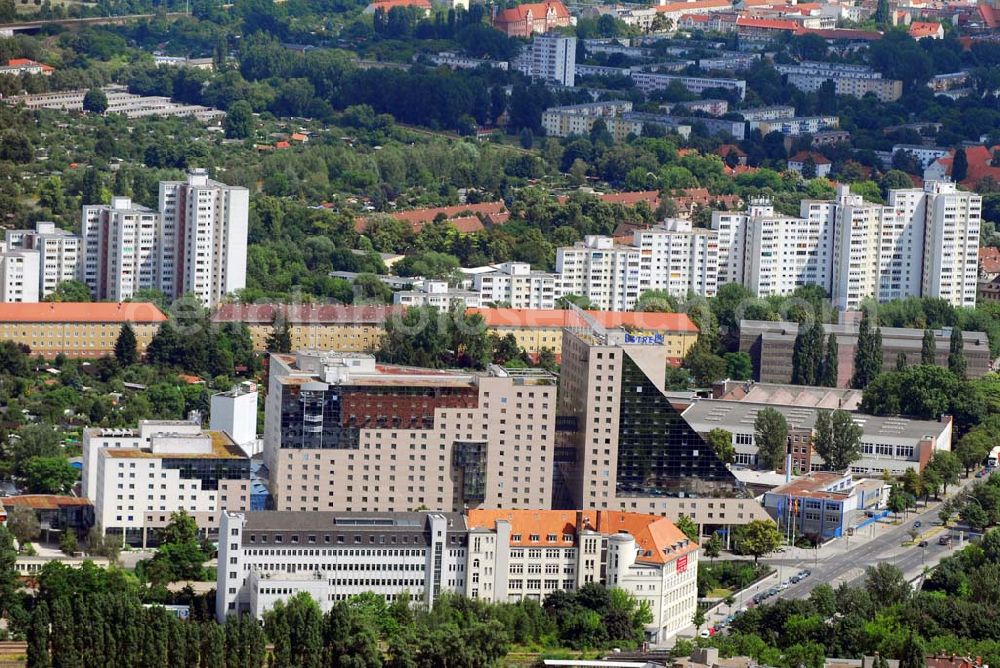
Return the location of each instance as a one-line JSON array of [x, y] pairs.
[[126, 350], [71, 291], [868, 357], [808, 355], [712, 547], [9, 583], [974, 516], [972, 449], [180, 555], [38, 638], [68, 543], [928, 349], [886, 584], [659, 301], [95, 101], [960, 166], [771, 436], [956, 353], [722, 444], [947, 466], [239, 122], [49, 475], [698, 619], [739, 366], [898, 501], [900, 361], [705, 366], [809, 167], [830, 363], [23, 523], [837, 439], [882, 14], [913, 654], [911, 483], [688, 527], [760, 538], [280, 338]]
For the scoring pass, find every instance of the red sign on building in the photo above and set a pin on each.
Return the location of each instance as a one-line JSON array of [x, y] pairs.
[[682, 564]]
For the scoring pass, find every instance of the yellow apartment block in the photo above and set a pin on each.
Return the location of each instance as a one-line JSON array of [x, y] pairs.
[[535, 329], [313, 326], [77, 329]]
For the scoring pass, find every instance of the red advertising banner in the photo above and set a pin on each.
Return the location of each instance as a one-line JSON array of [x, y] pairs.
[[682, 564]]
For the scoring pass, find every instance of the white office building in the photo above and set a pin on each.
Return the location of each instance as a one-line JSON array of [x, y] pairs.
[[59, 253], [235, 413], [137, 477], [553, 59], [204, 237], [493, 555]]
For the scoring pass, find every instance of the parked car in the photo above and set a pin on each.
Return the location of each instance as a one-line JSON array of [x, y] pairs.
[[917, 524], [945, 539], [922, 543], [796, 579]]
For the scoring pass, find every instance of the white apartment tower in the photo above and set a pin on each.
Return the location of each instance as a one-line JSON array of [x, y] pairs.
[[604, 272], [674, 257], [59, 253], [204, 236], [951, 242], [923, 242], [678, 258], [18, 275], [121, 250], [770, 253], [516, 284], [553, 59]]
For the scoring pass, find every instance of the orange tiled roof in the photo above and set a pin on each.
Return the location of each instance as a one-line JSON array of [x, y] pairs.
[[771, 24], [143, 312], [467, 224], [726, 149], [417, 218], [538, 9], [693, 7], [298, 136], [652, 197], [513, 317], [389, 4], [991, 16], [802, 156], [979, 158], [920, 29], [989, 260], [43, 501], [841, 33], [658, 539]]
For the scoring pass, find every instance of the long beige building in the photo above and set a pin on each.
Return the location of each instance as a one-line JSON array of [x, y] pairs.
[[343, 432], [77, 329], [340, 327]]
